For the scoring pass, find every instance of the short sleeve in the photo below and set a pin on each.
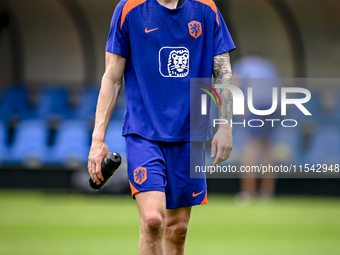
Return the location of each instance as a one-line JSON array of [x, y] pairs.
[[118, 39], [222, 38]]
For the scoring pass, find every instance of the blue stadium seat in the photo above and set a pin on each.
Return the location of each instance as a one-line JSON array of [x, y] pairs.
[[87, 103], [313, 106], [30, 142], [325, 146], [72, 144], [3, 136], [336, 112], [119, 111], [330, 109], [114, 139], [287, 145], [53, 104], [14, 102]]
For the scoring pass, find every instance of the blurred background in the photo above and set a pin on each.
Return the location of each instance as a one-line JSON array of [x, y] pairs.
[[51, 63]]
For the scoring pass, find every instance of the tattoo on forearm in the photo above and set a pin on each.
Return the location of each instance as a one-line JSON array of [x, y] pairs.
[[222, 74]]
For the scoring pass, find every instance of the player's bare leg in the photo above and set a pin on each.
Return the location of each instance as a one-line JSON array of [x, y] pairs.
[[176, 228], [151, 208], [248, 181], [268, 182]]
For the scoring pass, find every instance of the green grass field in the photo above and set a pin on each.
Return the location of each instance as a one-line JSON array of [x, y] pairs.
[[54, 224]]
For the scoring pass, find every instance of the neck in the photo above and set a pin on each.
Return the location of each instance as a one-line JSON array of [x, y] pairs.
[[171, 4]]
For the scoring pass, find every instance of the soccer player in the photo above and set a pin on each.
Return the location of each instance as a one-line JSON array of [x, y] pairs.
[[262, 75], [159, 45]]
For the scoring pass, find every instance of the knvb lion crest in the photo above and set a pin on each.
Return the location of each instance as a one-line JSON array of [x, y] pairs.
[[140, 175], [195, 29]]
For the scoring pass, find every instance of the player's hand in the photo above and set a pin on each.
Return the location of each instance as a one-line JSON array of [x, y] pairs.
[[98, 152], [222, 144]]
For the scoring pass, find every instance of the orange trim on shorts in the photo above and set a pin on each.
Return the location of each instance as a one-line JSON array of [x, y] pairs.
[[129, 5], [134, 191], [212, 6], [205, 200]]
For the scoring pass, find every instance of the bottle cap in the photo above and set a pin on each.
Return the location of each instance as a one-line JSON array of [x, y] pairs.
[[113, 160]]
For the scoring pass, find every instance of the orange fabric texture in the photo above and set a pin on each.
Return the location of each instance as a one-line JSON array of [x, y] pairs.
[[212, 6], [134, 191], [205, 200], [129, 5]]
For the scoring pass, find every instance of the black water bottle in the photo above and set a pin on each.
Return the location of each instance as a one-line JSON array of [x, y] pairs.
[[109, 166]]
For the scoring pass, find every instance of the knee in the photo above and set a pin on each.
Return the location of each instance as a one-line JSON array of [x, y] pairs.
[[153, 224], [177, 233]]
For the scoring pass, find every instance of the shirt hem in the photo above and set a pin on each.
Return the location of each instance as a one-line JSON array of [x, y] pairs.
[[162, 139]]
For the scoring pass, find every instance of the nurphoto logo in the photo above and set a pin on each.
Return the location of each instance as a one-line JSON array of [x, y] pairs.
[[239, 103]]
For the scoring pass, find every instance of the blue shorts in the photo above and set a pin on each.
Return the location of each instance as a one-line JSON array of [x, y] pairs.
[[165, 167]]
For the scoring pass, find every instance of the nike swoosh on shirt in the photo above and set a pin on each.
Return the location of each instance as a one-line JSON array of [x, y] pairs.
[[148, 31], [195, 195]]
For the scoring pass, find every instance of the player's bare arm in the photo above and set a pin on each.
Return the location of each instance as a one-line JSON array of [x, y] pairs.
[[111, 85], [223, 141]]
